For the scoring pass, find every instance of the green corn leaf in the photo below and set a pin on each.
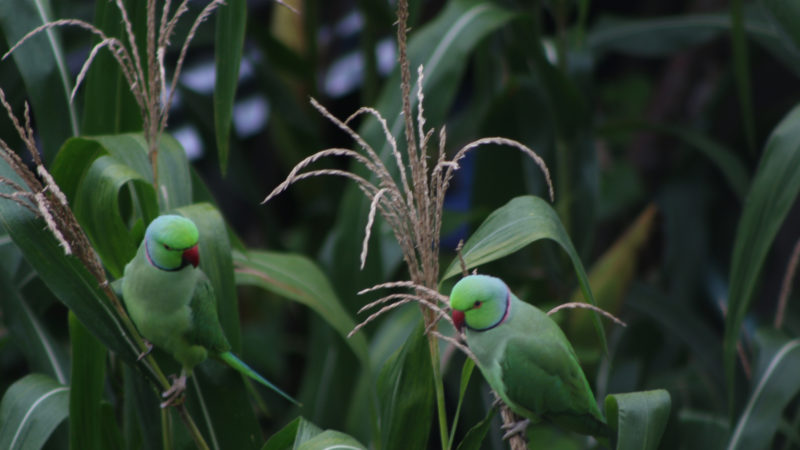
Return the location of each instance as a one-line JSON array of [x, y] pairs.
[[639, 418], [301, 434], [707, 431], [97, 207], [787, 15], [141, 422], [42, 65], [30, 410], [64, 275], [473, 440], [522, 221], [771, 393], [466, 373], [229, 42], [663, 36], [77, 155], [298, 430], [655, 37], [741, 71], [332, 440], [108, 104], [86, 425], [406, 393], [298, 278], [772, 194], [611, 275], [32, 338]]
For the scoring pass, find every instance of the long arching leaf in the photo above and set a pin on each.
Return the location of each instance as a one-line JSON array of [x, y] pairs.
[[88, 383], [298, 278], [229, 42], [774, 390], [33, 339], [30, 410], [773, 192]]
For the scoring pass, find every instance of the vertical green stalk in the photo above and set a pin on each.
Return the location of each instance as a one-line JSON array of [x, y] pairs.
[[560, 16], [368, 40], [583, 17], [166, 429], [742, 72], [563, 162], [563, 150], [433, 345]]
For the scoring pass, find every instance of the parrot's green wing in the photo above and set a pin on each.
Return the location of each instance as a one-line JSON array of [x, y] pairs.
[[562, 394], [205, 328]]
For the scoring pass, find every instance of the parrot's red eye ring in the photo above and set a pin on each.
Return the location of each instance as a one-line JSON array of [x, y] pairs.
[[477, 304]]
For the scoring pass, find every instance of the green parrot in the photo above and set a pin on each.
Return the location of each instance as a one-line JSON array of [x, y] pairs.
[[525, 357], [172, 302]]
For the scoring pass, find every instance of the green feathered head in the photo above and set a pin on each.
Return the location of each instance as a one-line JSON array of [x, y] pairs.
[[480, 301], [171, 242]]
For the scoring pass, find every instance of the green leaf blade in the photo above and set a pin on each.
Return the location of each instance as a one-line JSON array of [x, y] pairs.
[[229, 43], [97, 208], [30, 410], [774, 190], [88, 380], [109, 105], [406, 392], [298, 278], [756, 426], [639, 418], [34, 340]]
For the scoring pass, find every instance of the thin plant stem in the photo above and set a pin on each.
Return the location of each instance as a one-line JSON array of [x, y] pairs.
[[438, 384], [166, 429], [193, 430]]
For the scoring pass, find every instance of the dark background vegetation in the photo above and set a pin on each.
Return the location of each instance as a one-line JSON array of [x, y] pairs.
[[635, 120]]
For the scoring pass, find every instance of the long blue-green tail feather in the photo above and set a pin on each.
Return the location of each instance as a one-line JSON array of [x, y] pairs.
[[244, 369]]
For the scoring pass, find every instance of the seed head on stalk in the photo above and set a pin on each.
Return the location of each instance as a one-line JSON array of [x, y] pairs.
[[145, 76], [411, 201]]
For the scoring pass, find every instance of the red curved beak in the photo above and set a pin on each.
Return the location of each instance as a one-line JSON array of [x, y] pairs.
[[458, 319], [191, 256]]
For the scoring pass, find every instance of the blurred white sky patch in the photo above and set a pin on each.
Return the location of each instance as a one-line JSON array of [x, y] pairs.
[[190, 140], [347, 73], [202, 76], [250, 115]]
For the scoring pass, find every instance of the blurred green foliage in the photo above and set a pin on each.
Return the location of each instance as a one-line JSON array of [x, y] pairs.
[[671, 131]]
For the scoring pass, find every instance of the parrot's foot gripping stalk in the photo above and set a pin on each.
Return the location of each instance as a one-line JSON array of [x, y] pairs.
[[175, 394], [516, 428]]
